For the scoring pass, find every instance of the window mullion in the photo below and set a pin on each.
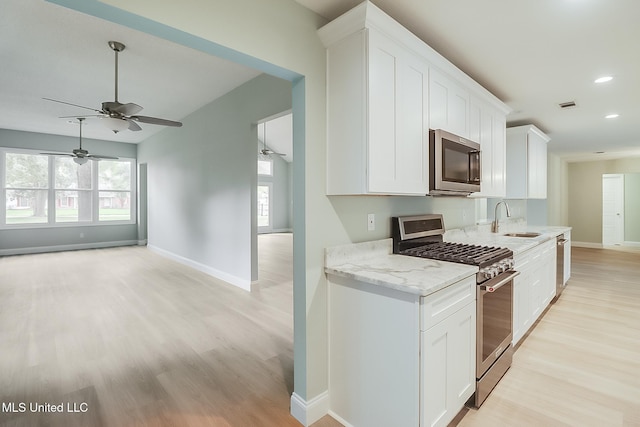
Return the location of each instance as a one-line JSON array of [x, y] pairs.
[[3, 181], [95, 191], [51, 191]]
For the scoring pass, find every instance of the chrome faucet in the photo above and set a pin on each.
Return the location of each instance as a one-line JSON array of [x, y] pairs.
[[494, 224]]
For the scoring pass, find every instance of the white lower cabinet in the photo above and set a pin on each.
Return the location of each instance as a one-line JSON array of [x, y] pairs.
[[448, 373], [399, 359], [534, 288]]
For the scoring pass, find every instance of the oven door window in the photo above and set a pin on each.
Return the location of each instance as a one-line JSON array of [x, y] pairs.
[[496, 320], [458, 161]]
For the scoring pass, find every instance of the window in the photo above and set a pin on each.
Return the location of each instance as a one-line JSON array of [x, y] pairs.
[[26, 188], [265, 203], [73, 190], [114, 185], [265, 167], [43, 190]]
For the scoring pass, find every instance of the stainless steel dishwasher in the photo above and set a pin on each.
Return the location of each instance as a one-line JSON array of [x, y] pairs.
[[560, 265]]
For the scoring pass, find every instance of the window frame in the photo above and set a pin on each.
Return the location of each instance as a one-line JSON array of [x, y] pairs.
[[51, 195], [271, 166]]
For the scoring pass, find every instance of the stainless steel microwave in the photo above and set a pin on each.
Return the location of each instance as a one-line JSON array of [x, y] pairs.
[[454, 164]]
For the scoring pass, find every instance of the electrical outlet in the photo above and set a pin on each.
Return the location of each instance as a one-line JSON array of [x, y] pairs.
[[371, 222]]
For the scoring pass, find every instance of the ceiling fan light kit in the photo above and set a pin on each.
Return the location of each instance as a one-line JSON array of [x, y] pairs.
[[115, 124], [117, 116], [80, 155]]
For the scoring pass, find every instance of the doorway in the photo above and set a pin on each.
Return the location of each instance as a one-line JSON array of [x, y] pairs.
[[612, 209], [265, 207]]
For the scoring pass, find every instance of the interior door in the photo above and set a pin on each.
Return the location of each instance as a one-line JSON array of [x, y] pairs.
[[612, 209]]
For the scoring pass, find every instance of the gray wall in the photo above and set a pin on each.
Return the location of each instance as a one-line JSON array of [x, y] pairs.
[[44, 239], [202, 179]]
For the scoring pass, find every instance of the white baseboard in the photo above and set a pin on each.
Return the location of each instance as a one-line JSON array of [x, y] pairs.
[[277, 230], [586, 245], [61, 248], [142, 242], [309, 412], [601, 246], [226, 277]]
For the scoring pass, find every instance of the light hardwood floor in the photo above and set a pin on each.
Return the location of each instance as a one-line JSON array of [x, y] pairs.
[[145, 341], [580, 366]]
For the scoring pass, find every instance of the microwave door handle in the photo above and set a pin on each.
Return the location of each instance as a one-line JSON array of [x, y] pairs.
[[474, 157]]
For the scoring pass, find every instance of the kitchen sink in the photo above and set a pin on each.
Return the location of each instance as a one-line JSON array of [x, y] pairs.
[[524, 234]]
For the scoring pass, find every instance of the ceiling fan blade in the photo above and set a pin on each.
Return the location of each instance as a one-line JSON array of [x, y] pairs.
[[156, 121], [85, 116], [127, 109], [100, 157], [75, 105], [59, 154], [267, 152], [133, 126]]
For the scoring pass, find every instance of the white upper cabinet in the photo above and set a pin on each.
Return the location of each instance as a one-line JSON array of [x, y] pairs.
[[385, 89], [378, 132], [448, 104], [487, 126], [398, 128], [526, 163]]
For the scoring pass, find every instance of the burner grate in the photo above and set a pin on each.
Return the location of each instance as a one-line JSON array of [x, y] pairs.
[[460, 253]]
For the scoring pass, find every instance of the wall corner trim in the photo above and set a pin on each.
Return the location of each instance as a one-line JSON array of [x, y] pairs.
[[308, 412]]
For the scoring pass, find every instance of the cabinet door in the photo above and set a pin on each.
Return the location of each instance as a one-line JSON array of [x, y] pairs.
[[522, 305], [448, 367], [537, 158], [487, 126], [398, 130], [448, 105], [499, 155]]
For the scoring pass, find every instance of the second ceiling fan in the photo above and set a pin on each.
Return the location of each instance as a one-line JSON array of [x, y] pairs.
[[122, 116]]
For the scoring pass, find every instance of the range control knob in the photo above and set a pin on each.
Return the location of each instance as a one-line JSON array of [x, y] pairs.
[[489, 272]]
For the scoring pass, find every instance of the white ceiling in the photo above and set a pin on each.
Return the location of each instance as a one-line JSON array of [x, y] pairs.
[[536, 54], [54, 52], [532, 55]]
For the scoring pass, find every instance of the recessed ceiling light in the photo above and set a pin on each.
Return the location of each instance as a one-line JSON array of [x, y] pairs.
[[603, 79], [611, 116]]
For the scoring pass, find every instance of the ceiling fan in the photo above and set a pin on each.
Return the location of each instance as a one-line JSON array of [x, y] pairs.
[[267, 151], [80, 155], [116, 115]]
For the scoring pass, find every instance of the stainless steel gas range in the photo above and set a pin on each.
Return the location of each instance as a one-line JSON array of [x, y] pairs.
[[422, 236]]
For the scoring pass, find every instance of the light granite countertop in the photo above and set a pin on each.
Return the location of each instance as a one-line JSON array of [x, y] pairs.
[[374, 262]]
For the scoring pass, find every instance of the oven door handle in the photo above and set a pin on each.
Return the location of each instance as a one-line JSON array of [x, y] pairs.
[[501, 283]]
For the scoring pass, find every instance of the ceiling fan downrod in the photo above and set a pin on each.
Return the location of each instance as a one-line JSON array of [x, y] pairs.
[[116, 47], [80, 120]]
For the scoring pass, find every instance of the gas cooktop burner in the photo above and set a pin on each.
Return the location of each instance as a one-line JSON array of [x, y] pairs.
[[459, 252], [422, 236]]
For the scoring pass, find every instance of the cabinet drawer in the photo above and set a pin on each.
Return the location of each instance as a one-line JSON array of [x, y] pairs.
[[438, 306]]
